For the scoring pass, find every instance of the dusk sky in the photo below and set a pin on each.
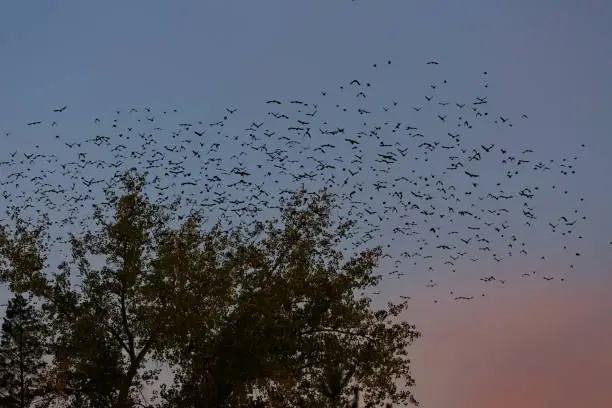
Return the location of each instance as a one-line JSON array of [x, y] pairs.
[[528, 342]]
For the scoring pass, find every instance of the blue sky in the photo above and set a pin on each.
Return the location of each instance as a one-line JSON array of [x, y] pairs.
[[548, 59]]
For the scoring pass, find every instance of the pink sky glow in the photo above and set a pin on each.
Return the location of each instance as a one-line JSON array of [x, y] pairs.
[[525, 345]]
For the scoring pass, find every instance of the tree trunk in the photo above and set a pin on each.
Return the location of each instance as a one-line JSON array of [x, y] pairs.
[[124, 391]]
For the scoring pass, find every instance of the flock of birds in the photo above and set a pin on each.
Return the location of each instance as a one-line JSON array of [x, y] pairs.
[[436, 197]]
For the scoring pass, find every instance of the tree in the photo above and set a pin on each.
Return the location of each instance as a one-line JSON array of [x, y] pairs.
[[104, 332], [243, 321], [92, 366], [296, 310], [22, 346]]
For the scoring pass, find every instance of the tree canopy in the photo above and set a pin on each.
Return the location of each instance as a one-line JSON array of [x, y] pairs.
[[243, 317]]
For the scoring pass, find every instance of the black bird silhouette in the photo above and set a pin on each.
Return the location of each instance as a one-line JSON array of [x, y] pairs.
[[379, 147]]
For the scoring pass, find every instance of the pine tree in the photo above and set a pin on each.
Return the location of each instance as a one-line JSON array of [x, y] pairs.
[[22, 346]]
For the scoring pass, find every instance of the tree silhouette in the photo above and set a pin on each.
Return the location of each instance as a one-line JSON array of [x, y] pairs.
[[22, 346], [91, 366], [294, 312], [235, 317]]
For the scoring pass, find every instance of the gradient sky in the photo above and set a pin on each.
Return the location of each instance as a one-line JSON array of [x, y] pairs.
[[523, 345]]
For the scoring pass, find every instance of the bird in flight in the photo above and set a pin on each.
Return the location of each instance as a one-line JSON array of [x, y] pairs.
[[379, 146]]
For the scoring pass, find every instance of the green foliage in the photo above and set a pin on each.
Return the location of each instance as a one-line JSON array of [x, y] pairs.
[[243, 322]]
